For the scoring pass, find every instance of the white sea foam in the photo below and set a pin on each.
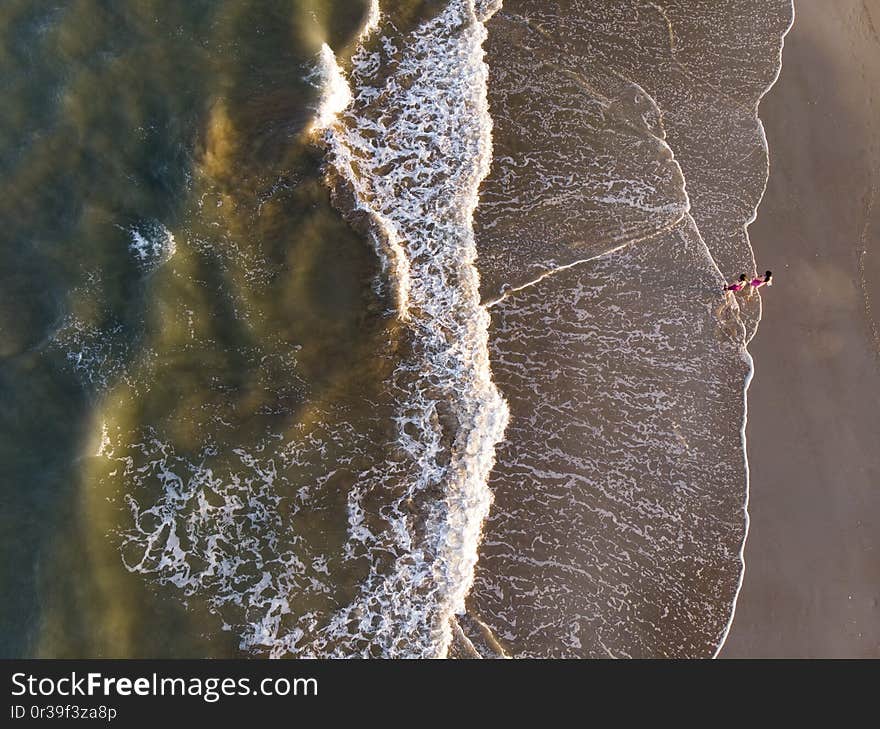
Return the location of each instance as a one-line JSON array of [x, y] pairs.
[[335, 94], [97, 350], [217, 533], [151, 243], [328, 76], [96, 354], [372, 21], [413, 146]]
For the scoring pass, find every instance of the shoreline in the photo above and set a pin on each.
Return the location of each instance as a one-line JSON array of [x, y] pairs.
[[809, 587], [751, 335]]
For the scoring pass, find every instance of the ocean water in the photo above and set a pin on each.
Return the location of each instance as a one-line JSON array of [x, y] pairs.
[[383, 329]]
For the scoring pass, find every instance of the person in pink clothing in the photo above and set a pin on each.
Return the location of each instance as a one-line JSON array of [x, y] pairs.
[[758, 282], [738, 285], [730, 291]]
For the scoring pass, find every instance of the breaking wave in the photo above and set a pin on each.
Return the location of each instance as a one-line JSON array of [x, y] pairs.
[[408, 140], [411, 150]]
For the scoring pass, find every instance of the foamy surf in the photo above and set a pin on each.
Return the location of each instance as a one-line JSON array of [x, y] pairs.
[[335, 94], [413, 147], [151, 244], [408, 139]]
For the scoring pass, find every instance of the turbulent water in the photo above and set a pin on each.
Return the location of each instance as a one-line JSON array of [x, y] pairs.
[[382, 329]]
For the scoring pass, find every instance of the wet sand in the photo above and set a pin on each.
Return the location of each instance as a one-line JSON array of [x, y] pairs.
[[812, 581]]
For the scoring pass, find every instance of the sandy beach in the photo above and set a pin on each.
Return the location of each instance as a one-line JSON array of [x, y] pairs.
[[812, 580]]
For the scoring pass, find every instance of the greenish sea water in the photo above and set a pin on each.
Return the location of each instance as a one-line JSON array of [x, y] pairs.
[[172, 267]]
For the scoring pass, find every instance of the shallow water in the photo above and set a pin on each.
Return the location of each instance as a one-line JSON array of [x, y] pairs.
[[625, 174]]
